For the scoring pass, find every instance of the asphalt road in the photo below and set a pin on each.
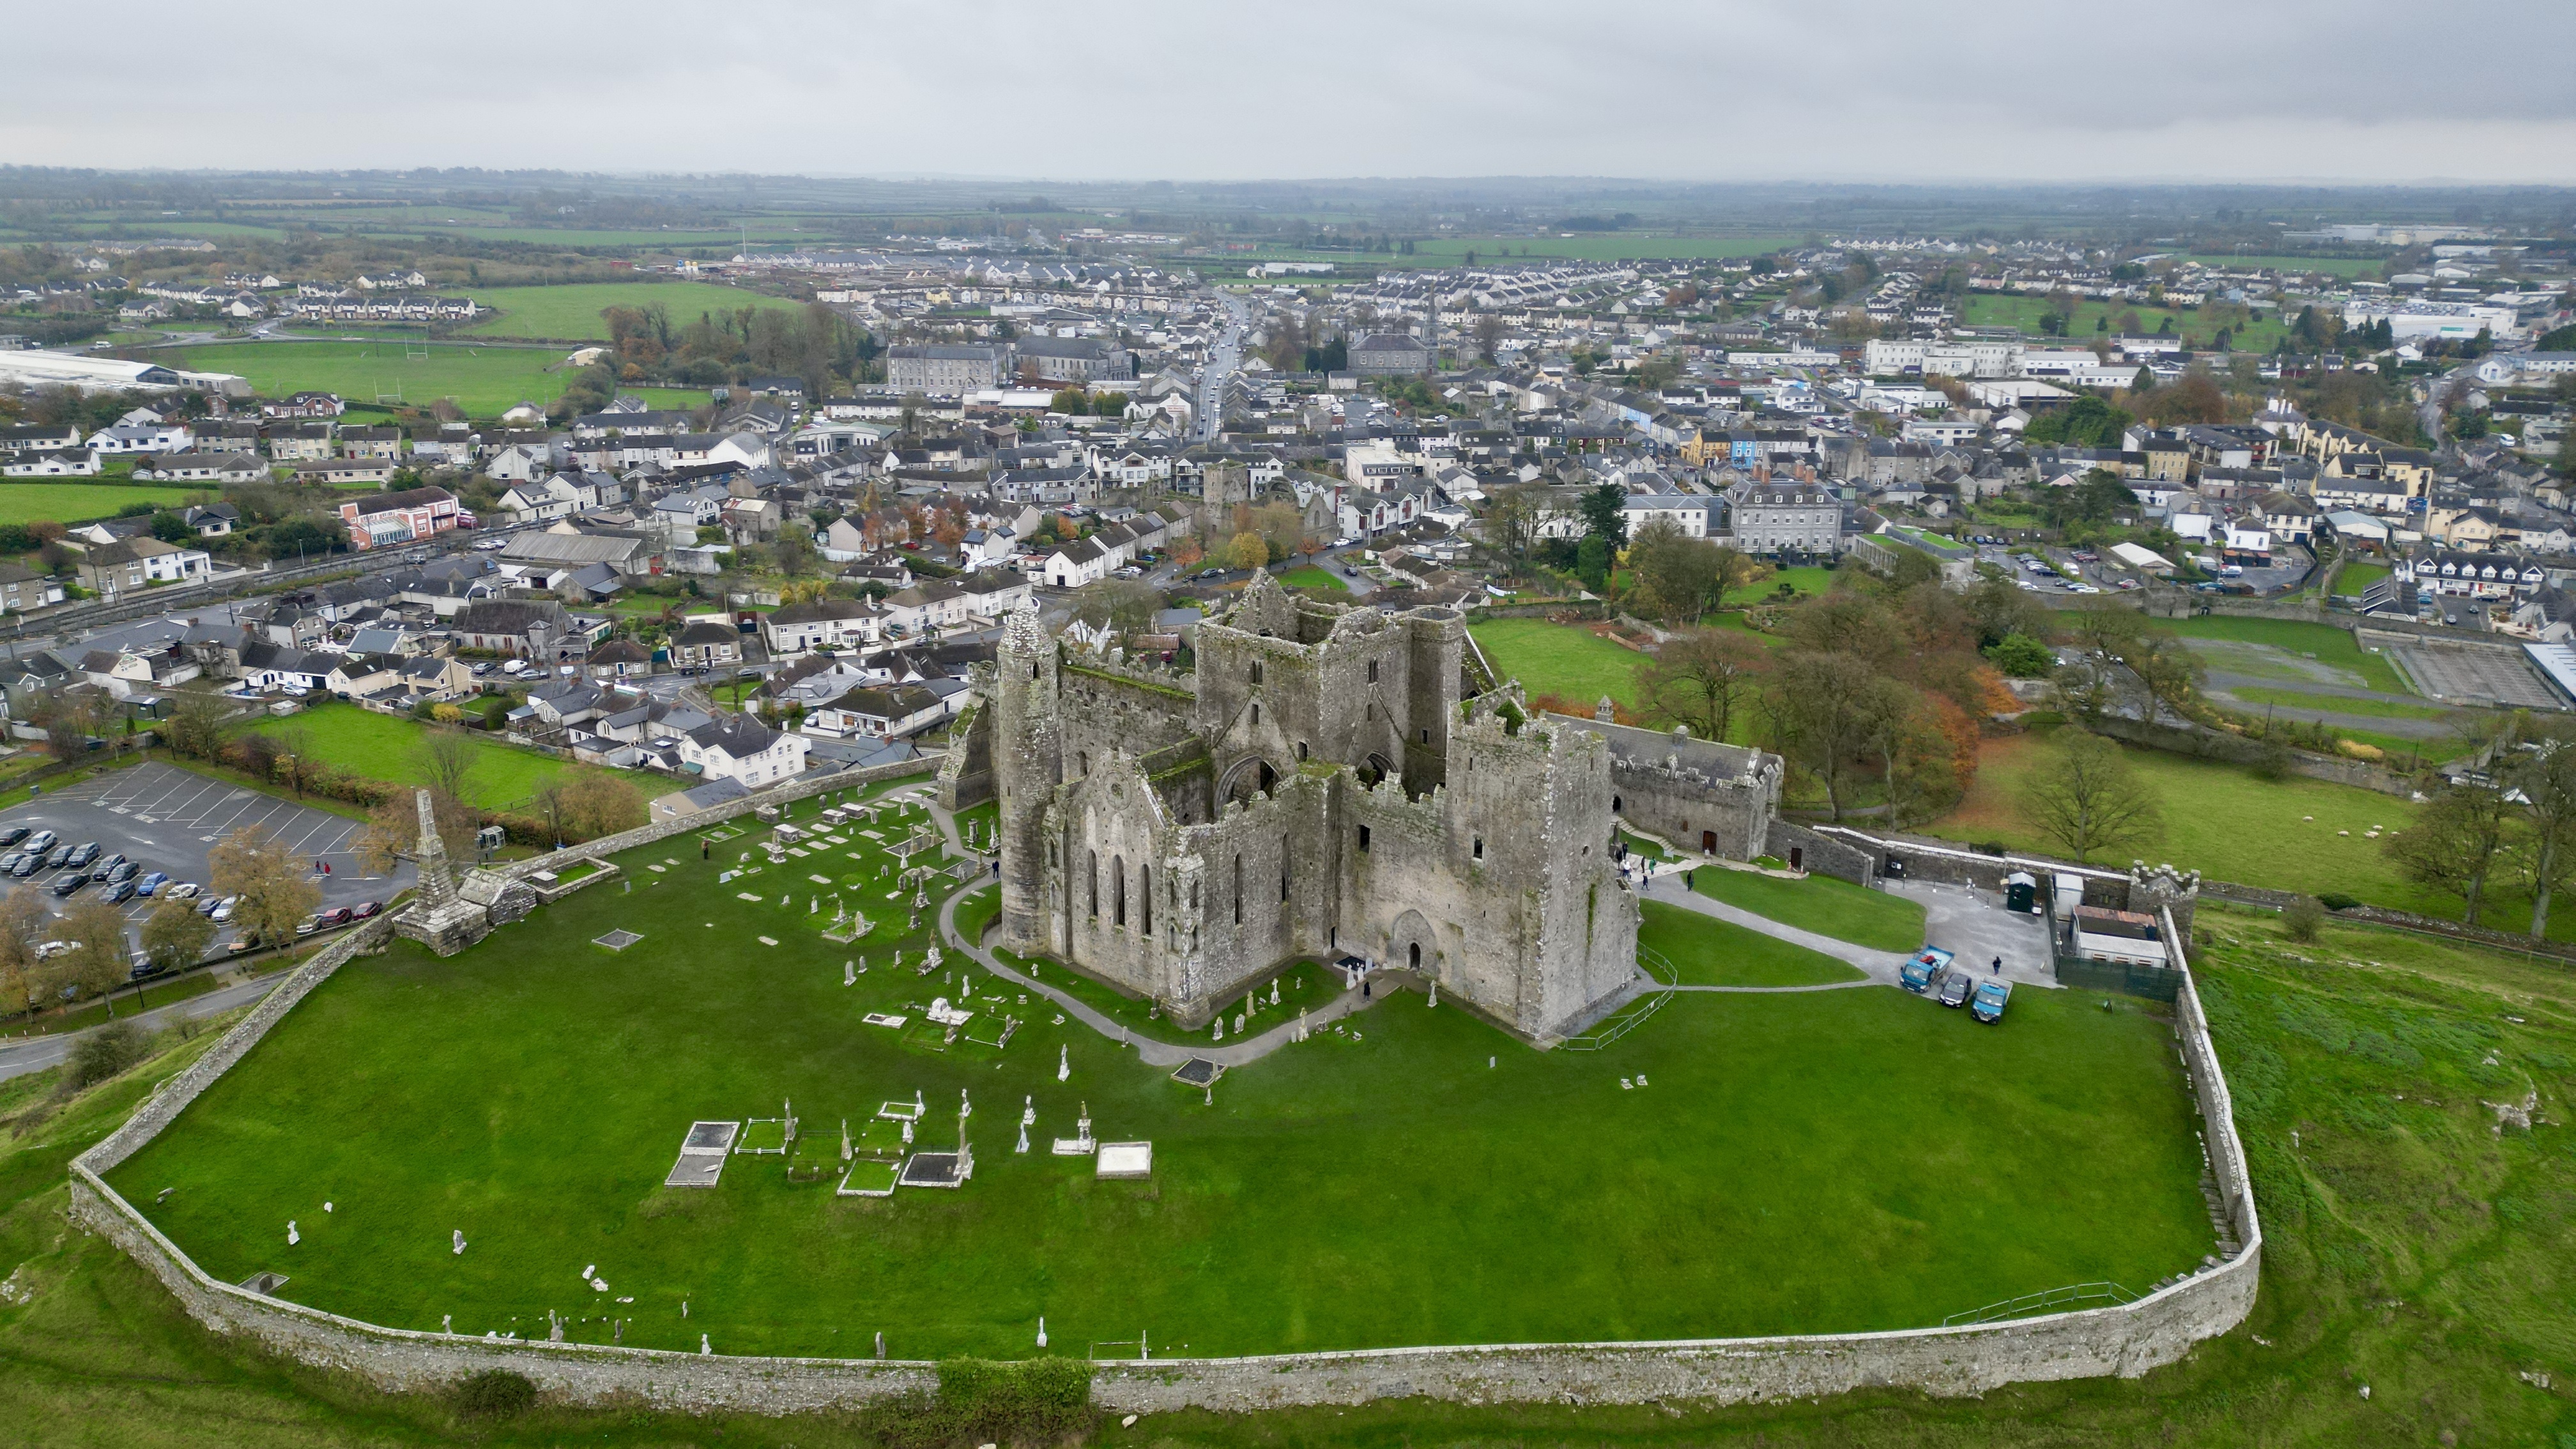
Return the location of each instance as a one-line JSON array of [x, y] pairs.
[[35, 1054], [1222, 361]]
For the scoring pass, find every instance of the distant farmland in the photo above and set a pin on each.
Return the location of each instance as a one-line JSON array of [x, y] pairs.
[[572, 311]]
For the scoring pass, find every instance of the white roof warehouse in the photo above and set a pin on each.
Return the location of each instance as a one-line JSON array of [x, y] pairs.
[[37, 368]]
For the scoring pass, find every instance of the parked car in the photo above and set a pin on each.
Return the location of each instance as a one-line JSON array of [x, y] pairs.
[[61, 857], [124, 871], [151, 884], [15, 833], [110, 863], [1956, 988], [482, 668], [9, 862], [1924, 972], [179, 891], [336, 916], [68, 882], [82, 854], [223, 910], [28, 864], [363, 910], [116, 892], [42, 841], [1992, 993], [207, 906]]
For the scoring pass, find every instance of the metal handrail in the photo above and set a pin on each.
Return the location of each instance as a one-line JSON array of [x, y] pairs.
[[2046, 1299]]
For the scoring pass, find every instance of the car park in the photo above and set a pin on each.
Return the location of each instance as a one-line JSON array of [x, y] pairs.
[[151, 884], [110, 863], [82, 854], [68, 882], [124, 871], [116, 892]]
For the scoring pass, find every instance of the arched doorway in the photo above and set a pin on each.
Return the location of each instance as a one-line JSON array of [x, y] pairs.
[[1410, 943], [1377, 767], [1251, 778]]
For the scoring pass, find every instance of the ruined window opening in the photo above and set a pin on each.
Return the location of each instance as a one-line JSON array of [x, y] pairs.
[[1145, 896], [1033, 671], [1256, 671], [1426, 736], [1085, 757], [1238, 890], [1614, 804], [1372, 710], [1118, 890], [1301, 750], [1364, 838], [1480, 847], [1372, 671], [1413, 955], [1283, 880], [1256, 712], [1093, 860]]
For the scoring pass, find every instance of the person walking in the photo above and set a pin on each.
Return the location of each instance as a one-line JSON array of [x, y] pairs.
[[1999, 966]]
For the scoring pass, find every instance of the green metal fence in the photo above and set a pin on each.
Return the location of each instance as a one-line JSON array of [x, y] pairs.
[[2155, 983]]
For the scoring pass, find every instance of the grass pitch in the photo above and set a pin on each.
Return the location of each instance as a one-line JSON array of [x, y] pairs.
[[1822, 904], [1382, 1187], [572, 311], [387, 747], [485, 380], [80, 502]]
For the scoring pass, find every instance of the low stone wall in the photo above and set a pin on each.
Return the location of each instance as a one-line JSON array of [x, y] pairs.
[[2127, 1340], [2238, 750], [1820, 854]]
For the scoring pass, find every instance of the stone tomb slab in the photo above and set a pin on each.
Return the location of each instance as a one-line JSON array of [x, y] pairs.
[[1125, 1160]]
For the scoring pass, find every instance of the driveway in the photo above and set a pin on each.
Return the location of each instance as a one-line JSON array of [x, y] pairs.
[[35, 1054]]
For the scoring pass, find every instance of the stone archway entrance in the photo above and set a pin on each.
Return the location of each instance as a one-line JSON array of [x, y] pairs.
[[1411, 944], [1251, 778]]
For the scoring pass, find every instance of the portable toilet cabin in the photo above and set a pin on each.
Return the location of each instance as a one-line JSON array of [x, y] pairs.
[[2021, 893]]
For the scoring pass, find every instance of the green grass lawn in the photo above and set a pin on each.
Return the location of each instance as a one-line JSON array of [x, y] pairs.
[[1604, 247], [533, 1091], [1989, 309], [573, 310], [2336, 649], [1311, 577], [2370, 1046], [80, 502], [484, 380], [1821, 904], [1705, 951], [1802, 579], [2359, 576], [1563, 659], [387, 747]]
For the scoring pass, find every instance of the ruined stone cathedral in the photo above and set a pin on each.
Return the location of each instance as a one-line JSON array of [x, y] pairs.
[[1332, 780]]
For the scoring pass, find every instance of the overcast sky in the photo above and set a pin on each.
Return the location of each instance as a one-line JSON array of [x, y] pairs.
[[1717, 90]]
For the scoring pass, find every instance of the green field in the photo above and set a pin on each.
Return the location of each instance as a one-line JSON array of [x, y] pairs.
[[1705, 951], [2341, 704], [485, 380], [2356, 577], [504, 1092], [1821, 904], [1602, 247], [80, 502], [387, 747], [2331, 266], [1989, 309], [2314, 652], [1563, 659], [573, 311], [1311, 576], [2371, 1047], [1802, 579]]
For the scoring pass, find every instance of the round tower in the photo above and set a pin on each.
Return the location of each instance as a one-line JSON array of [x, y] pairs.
[[1028, 763]]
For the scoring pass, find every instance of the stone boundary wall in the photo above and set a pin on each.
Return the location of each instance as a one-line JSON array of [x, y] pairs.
[[2127, 1340], [2238, 750], [1822, 854], [2257, 896], [1948, 863]]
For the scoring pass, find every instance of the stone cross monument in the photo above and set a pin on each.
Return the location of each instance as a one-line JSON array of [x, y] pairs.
[[439, 917]]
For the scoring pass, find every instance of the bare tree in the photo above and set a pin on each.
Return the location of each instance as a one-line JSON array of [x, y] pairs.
[[22, 916], [2544, 774], [2453, 844], [1699, 676], [175, 937], [196, 726], [96, 962], [1826, 708], [446, 757], [597, 803], [2086, 798], [392, 831], [276, 890]]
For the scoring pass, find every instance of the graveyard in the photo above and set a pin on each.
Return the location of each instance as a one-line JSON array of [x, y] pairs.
[[726, 1098]]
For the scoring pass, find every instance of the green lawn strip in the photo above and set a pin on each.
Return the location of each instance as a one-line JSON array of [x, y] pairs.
[[2356, 577], [1312, 577], [2258, 694], [387, 747], [79, 502], [1822, 904], [2323, 642], [537, 1069], [485, 380], [1705, 951], [95, 1013], [572, 310], [1802, 579], [1561, 659], [1988, 309]]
